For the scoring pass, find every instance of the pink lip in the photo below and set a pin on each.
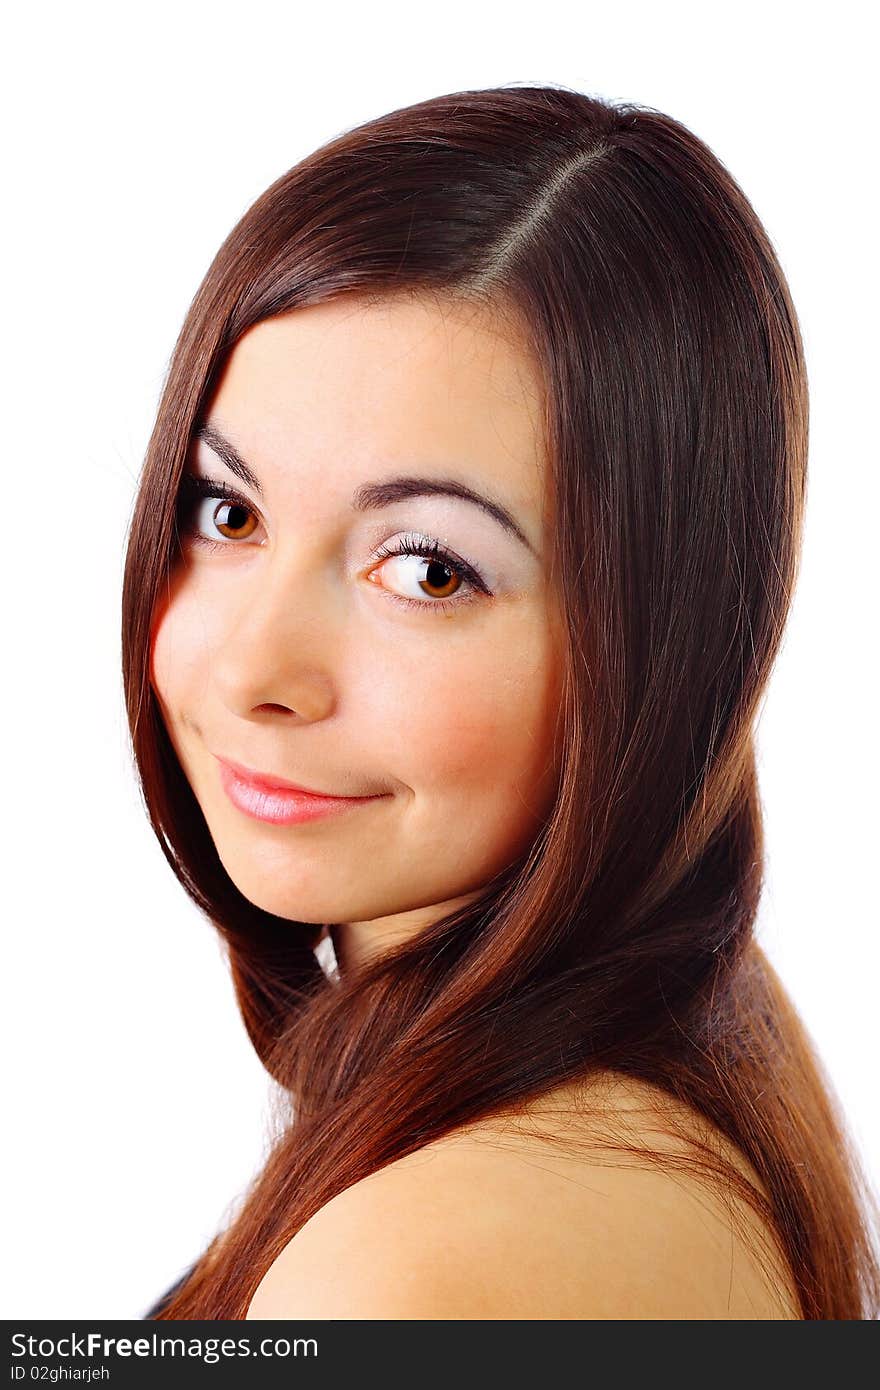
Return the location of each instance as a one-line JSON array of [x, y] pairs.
[[269, 799]]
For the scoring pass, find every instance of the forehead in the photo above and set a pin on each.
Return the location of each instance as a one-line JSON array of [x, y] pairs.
[[354, 386]]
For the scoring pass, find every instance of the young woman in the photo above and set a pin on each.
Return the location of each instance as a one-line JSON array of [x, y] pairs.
[[472, 511]]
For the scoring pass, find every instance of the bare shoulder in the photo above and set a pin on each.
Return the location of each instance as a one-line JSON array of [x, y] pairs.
[[527, 1218]]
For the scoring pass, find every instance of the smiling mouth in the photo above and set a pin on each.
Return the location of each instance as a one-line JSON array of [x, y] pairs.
[[284, 805], [267, 781]]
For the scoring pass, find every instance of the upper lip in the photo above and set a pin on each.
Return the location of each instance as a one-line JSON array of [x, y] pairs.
[[273, 783]]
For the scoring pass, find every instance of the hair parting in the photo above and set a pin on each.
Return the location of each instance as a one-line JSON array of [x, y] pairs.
[[676, 419]]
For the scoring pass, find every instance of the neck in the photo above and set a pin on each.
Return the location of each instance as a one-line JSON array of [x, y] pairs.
[[357, 943]]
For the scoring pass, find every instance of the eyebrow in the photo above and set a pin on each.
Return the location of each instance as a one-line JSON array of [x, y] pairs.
[[374, 496]]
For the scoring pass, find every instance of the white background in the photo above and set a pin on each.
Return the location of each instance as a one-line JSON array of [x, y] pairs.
[[135, 139]]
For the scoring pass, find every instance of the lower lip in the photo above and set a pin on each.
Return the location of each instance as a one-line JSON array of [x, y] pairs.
[[280, 807]]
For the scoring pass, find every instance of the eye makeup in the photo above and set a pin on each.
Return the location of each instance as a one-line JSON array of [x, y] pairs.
[[434, 554]]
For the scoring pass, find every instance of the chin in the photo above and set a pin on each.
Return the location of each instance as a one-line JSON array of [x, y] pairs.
[[296, 907], [272, 884], [297, 894]]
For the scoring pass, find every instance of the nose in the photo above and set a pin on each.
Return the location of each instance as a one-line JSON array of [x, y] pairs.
[[277, 653]]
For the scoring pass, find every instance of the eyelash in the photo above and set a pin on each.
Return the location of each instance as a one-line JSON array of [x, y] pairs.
[[194, 488]]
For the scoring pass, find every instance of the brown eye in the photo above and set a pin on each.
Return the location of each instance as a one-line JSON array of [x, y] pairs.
[[434, 578], [235, 524], [440, 580], [442, 577], [211, 514]]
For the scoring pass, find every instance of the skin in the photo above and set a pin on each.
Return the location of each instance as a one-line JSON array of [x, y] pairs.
[[287, 652], [555, 1234]]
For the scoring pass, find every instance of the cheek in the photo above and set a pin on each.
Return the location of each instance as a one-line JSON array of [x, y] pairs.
[[482, 725], [179, 641]]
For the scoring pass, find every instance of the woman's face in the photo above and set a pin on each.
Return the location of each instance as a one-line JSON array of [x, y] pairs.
[[288, 647]]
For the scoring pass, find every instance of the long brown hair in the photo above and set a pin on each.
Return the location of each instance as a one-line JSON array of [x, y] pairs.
[[676, 435]]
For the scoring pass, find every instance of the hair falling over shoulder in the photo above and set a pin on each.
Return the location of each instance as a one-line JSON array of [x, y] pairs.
[[676, 426]]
